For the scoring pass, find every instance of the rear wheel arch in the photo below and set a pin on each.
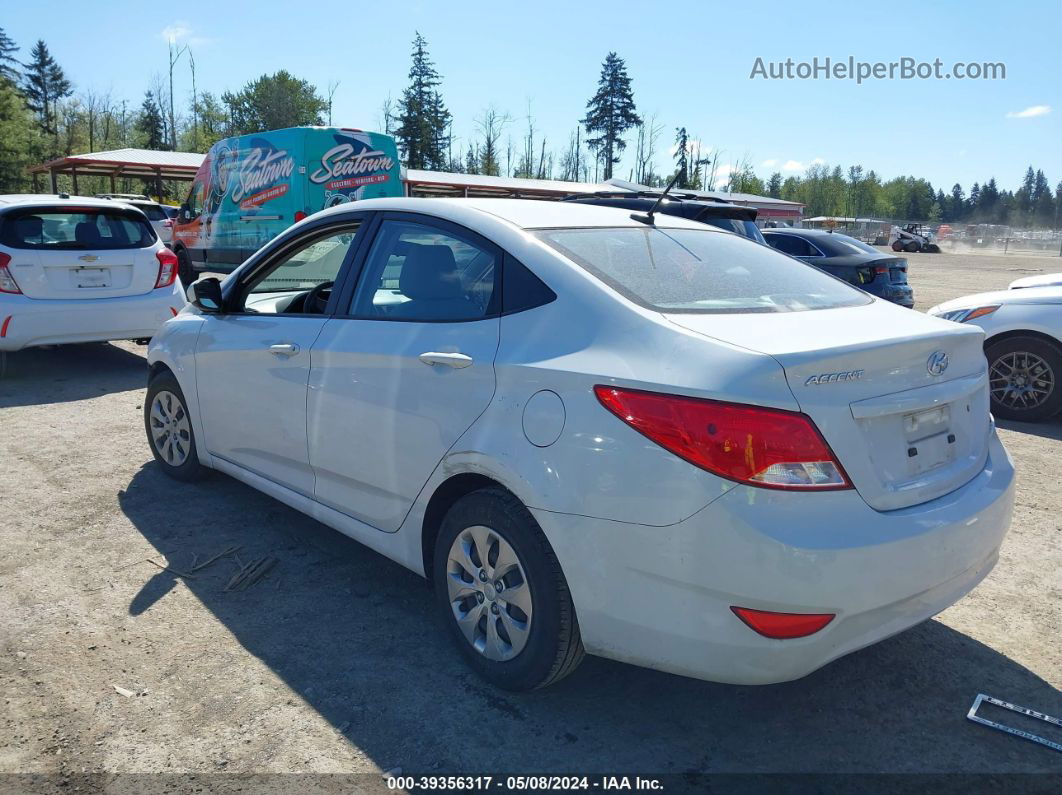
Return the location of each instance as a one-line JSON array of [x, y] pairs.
[[445, 496]]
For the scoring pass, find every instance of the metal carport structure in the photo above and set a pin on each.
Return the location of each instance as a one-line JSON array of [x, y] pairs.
[[120, 163]]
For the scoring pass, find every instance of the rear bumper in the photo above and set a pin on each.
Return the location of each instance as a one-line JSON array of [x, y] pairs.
[[661, 596], [28, 322], [898, 294]]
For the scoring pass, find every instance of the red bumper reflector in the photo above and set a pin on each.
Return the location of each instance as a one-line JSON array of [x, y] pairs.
[[3, 328], [782, 625]]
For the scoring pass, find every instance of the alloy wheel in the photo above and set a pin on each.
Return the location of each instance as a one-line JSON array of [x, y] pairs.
[[171, 433], [489, 593], [1021, 380]]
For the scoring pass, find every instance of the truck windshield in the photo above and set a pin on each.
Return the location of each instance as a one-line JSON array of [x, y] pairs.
[[687, 270]]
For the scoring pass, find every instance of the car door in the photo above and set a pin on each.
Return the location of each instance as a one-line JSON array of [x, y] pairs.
[[253, 361], [396, 381]]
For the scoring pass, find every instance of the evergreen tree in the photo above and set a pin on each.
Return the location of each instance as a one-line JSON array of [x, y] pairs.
[[18, 139], [423, 120], [974, 202], [150, 124], [774, 185], [44, 86], [957, 206], [9, 65], [682, 158], [610, 113]]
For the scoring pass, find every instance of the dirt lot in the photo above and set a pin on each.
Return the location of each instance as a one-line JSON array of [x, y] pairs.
[[334, 662]]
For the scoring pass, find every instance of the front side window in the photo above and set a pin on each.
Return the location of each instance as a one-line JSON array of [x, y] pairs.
[[688, 270], [417, 272], [76, 228], [300, 281]]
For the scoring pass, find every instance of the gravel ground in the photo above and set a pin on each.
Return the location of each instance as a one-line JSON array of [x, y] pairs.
[[335, 663]]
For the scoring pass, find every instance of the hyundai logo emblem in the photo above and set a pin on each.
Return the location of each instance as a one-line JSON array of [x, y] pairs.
[[937, 363]]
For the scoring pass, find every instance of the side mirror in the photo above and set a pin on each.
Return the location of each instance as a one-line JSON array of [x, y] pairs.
[[184, 215], [206, 294]]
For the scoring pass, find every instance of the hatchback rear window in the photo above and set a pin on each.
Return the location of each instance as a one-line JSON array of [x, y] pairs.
[[688, 270], [75, 228], [152, 211]]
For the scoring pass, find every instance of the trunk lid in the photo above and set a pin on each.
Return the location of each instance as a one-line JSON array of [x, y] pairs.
[[80, 252], [901, 397]]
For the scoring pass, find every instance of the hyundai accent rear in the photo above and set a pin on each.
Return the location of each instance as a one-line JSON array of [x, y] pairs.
[[81, 270], [841, 480]]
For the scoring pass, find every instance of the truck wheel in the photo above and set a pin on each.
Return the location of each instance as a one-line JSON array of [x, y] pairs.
[[897, 245], [1024, 378], [184, 267], [912, 247], [502, 594]]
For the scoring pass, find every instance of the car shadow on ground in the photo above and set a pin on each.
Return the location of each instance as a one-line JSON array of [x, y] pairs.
[[355, 636], [64, 373], [1049, 429]]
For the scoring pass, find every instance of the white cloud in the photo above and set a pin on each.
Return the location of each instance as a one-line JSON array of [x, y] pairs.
[[769, 163], [1030, 112], [793, 165], [180, 32], [818, 161]]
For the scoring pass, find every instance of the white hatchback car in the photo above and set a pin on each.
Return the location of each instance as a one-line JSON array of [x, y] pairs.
[[653, 441], [75, 269], [1023, 344]]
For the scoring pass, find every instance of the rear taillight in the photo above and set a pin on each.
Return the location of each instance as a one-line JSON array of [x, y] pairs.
[[782, 626], [771, 448], [880, 270], [167, 268], [7, 281]]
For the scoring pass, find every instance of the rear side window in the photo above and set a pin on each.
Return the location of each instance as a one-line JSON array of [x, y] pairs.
[[687, 270], [75, 228], [793, 245], [521, 289]]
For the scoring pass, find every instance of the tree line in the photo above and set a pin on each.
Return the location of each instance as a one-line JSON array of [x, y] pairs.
[[41, 117]]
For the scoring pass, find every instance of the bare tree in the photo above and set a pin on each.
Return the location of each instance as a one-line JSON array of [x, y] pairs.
[[331, 93], [491, 126], [387, 115], [175, 55]]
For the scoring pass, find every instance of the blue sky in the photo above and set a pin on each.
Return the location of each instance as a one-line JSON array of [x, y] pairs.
[[690, 63]]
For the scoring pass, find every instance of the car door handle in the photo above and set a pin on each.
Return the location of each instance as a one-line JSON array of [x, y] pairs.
[[455, 360], [284, 349]]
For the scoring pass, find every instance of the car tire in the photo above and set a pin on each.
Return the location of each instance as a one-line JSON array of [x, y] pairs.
[[169, 429], [1031, 362], [185, 271], [512, 652]]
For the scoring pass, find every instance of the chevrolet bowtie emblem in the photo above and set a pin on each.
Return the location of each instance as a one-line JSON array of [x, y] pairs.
[[88, 258]]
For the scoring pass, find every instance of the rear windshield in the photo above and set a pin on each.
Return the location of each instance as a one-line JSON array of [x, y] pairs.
[[75, 228], [738, 226], [687, 270], [152, 211], [852, 244]]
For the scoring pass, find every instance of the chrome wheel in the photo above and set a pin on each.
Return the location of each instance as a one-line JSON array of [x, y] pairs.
[[489, 593], [171, 433], [1021, 380]]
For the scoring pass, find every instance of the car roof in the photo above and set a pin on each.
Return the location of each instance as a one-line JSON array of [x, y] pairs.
[[809, 233], [13, 201], [522, 213]]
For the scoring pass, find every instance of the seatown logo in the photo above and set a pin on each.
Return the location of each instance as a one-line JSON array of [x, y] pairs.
[[937, 363], [833, 378]]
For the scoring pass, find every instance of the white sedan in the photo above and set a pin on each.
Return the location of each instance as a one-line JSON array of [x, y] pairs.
[[1023, 344], [74, 269], [646, 439]]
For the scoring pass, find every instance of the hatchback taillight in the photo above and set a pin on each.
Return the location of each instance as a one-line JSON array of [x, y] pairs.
[[167, 268], [770, 448], [7, 281]]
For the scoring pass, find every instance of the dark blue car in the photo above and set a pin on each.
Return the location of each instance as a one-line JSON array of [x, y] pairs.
[[858, 263]]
